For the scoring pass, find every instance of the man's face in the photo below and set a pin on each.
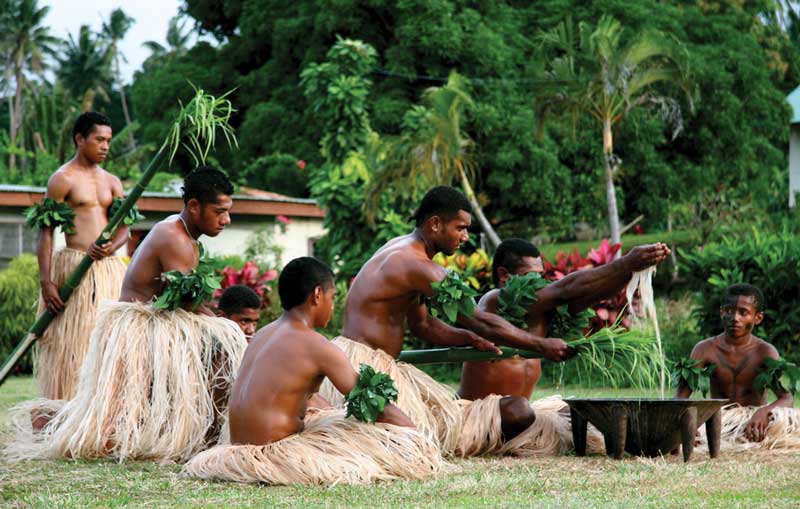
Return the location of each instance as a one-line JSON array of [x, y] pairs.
[[451, 232], [739, 315], [246, 319], [95, 146], [211, 218], [527, 265]]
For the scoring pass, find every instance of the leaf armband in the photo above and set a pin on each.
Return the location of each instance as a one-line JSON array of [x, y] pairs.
[[132, 217], [517, 297], [568, 326], [452, 296], [373, 391], [50, 214], [696, 378], [190, 289], [779, 375]]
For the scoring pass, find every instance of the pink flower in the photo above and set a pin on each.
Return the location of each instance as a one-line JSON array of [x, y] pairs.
[[283, 219], [301, 164]]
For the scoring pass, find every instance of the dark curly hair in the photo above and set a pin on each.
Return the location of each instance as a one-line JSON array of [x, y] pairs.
[[85, 123], [206, 184]]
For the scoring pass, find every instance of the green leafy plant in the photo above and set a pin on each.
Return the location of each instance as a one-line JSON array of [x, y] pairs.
[[452, 296], [569, 326], [132, 217], [19, 289], [190, 289], [517, 297], [698, 379], [49, 214], [775, 373], [373, 390]]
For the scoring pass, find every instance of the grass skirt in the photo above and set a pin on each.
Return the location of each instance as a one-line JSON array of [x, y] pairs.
[[783, 431], [146, 389], [61, 348], [460, 427], [330, 450]]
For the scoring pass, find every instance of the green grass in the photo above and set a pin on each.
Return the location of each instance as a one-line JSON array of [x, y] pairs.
[[685, 237], [743, 480]]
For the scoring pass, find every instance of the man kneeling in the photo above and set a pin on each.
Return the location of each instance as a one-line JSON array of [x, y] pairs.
[[275, 440]]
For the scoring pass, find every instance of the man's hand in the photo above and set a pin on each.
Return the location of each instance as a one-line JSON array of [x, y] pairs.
[[482, 344], [393, 415], [556, 350], [52, 300], [641, 257], [756, 429], [99, 251]]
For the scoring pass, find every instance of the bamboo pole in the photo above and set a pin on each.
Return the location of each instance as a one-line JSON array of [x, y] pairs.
[[462, 354], [201, 123]]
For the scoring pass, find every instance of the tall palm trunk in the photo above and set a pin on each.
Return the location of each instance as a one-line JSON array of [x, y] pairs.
[[486, 226], [611, 194], [16, 118], [125, 113]]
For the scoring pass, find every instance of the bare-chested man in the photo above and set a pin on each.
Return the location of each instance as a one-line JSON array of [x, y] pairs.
[[739, 356], [89, 190], [283, 367]]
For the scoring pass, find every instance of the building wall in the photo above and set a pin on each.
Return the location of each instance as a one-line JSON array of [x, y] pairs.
[[794, 163]]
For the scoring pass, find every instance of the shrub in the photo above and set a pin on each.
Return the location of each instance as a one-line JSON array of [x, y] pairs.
[[19, 291], [769, 261], [279, 173]]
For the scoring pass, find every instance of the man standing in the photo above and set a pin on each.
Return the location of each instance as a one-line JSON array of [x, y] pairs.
[[88, 190]]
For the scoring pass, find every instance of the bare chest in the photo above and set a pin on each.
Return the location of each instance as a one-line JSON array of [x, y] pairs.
[[90, 192]]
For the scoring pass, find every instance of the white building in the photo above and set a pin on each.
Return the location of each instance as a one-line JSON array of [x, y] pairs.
[[794, 146]]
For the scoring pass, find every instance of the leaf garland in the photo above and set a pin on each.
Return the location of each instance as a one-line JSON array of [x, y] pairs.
[[696, 378], [373, 391], [452, 296], [190, 289], [132, 217], [571, 327], [517, 297], [50, 214], [775, 373]]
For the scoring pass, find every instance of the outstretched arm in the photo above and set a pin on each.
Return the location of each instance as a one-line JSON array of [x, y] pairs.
[[435, 331]]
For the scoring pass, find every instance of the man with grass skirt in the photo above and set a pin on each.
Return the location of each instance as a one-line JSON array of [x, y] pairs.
[[277, 439], [78, 198], [739, 366], [155, 381]]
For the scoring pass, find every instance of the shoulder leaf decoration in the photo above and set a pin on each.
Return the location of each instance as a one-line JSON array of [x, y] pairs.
[[774, 375], [190, 289], [132, 217], [452, 296], [517, 297], [373, 391], [698, 379], [568, 326], [50, 214]]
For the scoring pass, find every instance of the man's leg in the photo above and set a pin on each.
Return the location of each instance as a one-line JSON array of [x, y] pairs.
[[516, 416]]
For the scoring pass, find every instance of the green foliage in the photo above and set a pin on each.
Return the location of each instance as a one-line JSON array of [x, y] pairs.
[[132, 217], [517, 297], [569, 326], [768, 261], [686, 370], [472, 263], [19, 289], [188, 290], [278, 173], [50, 214], [262, 248], [779, 375], [452, 296], [369, 397]]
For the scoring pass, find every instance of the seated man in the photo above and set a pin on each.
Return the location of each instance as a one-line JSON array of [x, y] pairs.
[[275, 440], [154, 383], [242, 305], [739, 358]]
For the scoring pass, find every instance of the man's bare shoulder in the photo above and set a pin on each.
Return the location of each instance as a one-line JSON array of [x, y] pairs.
[[489, 300], [765, 348], [62, 177], [704, 347], [109, 177]]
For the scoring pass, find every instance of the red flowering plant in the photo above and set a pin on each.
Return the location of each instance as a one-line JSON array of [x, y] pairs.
[[251, 276], [606, 311]]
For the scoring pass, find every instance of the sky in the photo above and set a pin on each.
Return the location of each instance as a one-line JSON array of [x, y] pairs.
[[151, 20]]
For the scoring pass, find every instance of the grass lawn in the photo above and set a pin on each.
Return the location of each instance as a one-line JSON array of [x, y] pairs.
[[743, 480]]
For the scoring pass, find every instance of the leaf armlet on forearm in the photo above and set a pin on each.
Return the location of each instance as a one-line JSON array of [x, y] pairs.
[[517, 297], [568, 326], [50, 214], [779, 375], [696, 378], [132, 217], [190, 289], [452, 296], [373, 391]]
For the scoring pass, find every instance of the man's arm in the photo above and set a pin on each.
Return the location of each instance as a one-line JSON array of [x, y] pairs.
[[435, 331], [756, 429], [100, 251], [57, 189]]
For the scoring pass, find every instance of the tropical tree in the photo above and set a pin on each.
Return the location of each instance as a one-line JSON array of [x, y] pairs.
[[177, 39], [589, 71], [24, 43], [114, 31], [84, 68]]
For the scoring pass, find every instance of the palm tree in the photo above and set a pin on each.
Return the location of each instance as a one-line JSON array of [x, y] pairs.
[[114, 31], [177, 40], [592, 73], [435, 151], [24, 42], [84, 70]]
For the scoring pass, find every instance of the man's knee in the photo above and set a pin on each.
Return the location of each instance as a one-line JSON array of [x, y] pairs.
[[516, 413]]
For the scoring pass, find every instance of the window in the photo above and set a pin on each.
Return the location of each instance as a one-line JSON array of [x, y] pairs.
[[15, 239]]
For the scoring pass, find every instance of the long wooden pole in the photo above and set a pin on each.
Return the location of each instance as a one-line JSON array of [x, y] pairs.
[[462, 354]]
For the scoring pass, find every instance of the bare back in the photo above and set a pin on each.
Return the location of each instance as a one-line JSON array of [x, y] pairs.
[[167, 247], [393, 281]]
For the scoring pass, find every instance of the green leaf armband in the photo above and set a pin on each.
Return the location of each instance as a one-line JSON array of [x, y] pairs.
[[779, 375], [696, 378], [570, 326], [373, 391], [50, 214], [132, 217], [517, 297], [190, 289], [452, 296]]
